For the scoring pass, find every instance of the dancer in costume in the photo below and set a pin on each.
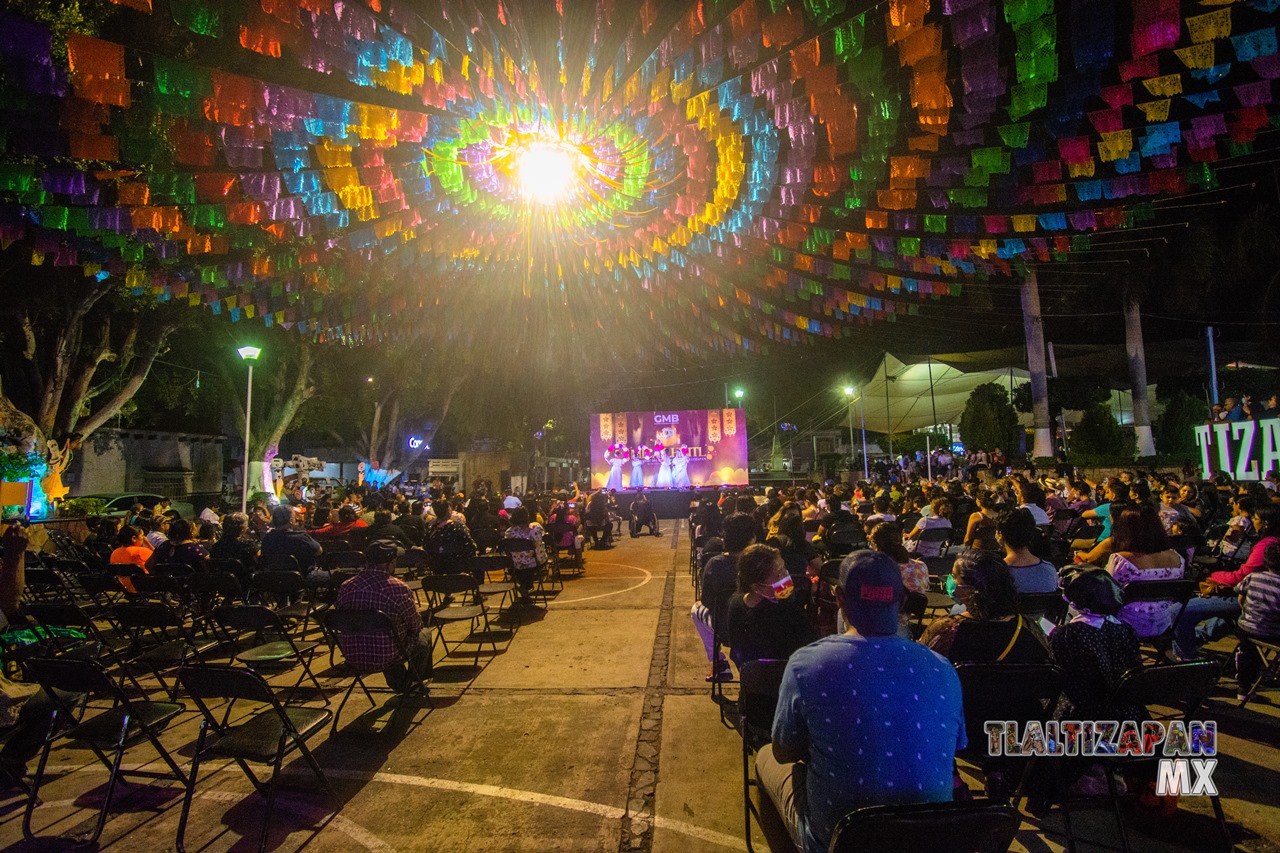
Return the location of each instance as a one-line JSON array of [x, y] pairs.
[[663, 480], [637, 468], [680, 467], [616, 455]]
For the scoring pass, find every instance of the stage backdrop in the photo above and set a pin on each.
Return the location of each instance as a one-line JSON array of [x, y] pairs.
[[669, 450]]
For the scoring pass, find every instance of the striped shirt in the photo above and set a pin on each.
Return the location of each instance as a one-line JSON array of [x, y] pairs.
[[1261, 612]]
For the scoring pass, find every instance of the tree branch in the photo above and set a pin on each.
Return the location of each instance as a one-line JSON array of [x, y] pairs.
[[141, 367], [77, 394]]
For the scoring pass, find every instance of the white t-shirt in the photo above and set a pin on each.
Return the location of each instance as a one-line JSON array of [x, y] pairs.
[[1037, 513]]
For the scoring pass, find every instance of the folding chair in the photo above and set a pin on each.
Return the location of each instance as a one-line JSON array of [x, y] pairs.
[[283, 586], [274, 644], [1005, 691], [113, 729], [557, 534], [845, 539], [159, 638], [761, 681], [1047, 605], [266, 738], [1183, 687], [941, 536], [1178, 592], [96, 645], [977, 826], [278, 563], [1269, 651], [487, 539], [511, 547], [349, 627], [45, 585], [483, 564], [437, 588], [342, 560]]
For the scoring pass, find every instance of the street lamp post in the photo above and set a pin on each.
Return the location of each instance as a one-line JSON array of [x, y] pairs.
[[249, 355], [849, 392]]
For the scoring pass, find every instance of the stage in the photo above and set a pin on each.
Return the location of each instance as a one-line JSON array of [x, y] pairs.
[[667, 503]]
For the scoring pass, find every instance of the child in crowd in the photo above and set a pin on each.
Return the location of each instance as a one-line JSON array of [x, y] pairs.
[[1259, 616]]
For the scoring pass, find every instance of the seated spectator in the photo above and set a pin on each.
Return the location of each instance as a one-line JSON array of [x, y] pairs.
[[207, 534], [990, 630], [599, 525], [1259, 617], [101, 540], [886, 537], [1094, 649], [1094, 551], [1032, 498], [526, 565], [1175, 517], [1142, 553], [980, 533], [1016, 532], [286, 539], [348, 520], [719, 581], [155, 526], [180, 548], [764, 620], [1234, 543], [384, 529], [448, 541], [1080, 497], [643, 515], [882, 506], [939, 518], [864, 718], [798, 553], [410, 521], [132, 548], [236, 543], [1209, 615], [375, 588]]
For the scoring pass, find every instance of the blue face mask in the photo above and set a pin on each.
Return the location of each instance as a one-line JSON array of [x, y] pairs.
[[949, 585]]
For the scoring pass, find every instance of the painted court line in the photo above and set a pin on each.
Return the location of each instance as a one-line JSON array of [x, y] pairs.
[[369, 841], [648, 576]]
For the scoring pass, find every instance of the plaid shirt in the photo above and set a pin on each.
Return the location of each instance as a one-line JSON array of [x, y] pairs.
[[375, 589]]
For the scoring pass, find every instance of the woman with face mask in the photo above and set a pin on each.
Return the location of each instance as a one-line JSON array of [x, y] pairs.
[[765, 621]]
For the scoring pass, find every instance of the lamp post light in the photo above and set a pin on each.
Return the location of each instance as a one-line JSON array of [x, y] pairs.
[[849, 391], [249, 355]]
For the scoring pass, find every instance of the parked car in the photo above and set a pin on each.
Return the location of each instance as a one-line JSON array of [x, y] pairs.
[[118, 504]]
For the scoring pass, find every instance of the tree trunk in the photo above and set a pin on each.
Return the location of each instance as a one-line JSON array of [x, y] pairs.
[[1138, 375], [1033, 330]]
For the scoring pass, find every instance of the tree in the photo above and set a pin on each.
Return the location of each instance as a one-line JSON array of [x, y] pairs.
[[282, 383], [1099, 436], [1175, 427], [76, 349], [988, 420]]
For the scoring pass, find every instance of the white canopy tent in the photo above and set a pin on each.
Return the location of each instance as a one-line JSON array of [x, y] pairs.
[[897, 397]]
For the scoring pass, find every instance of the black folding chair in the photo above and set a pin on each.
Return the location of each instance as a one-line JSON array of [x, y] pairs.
[[286, 590], [349, 627], [482, 565], [159, 639], [973, 827], [940, 536], [845, 539], [72, 683], [1182, 687], [1048, 605], [761, 681], [470, 609], [1269, 652], [266, 738], [511, 547], [96, 645], [273, 644], [1176, 592], [1005, 691]]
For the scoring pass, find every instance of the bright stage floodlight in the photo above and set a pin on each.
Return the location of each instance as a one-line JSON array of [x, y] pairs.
[[848, 390], [548, 171], [250, 353]]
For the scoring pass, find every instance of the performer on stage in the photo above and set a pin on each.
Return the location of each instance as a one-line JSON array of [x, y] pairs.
[[680, 467], [616, 455], [637, 468], [663, 480]]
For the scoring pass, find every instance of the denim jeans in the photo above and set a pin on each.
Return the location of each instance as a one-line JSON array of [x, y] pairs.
[[1206, 618]]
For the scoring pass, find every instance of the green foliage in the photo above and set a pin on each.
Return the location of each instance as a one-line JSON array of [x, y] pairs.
[[265, 497], [913, 441], [1174, 428], [16, 466], [81, 507], [64, 17], [1098, 437], [988, 420], [1076, 393]]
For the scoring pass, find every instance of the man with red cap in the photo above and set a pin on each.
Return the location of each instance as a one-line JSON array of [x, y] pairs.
[[864, 718]]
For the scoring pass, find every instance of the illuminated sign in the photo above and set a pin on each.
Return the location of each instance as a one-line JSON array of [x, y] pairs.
[[415, 442], [1237, 447]]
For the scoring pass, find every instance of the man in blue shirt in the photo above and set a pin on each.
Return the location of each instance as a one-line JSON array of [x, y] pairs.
[[864, 718]]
